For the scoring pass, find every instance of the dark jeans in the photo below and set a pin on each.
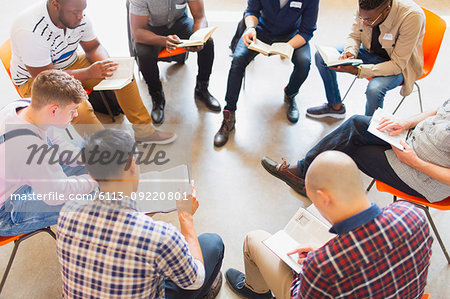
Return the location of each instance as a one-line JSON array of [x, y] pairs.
[[366, 150], [212, 249], [243, 56], [147, 55]]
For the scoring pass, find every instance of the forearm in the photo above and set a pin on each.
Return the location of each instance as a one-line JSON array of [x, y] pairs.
[[98, 53], [251, 21], [414, 120], [434, 171], [80, 74], [199, 23], [297, 41], [147, 37], [188, 231]]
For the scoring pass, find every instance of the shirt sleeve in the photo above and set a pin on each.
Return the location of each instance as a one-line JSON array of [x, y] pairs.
[[354, 38], [33, 51], [139, 8], [309, 20], [88, 33], [254, 8], [177, 263], [311, 283]]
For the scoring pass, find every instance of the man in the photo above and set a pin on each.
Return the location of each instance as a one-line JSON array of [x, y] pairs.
[[387, 36], [108, 249], [289, 21], [156, 25], [47, 37], [377, 253], [27, 184], [421, 169]]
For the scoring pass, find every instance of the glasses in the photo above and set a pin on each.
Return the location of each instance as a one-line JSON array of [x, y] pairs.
[[371, 24]]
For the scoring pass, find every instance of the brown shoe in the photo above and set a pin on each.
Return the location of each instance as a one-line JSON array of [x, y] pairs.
[[215, 287], [282, 172], [228, 122]]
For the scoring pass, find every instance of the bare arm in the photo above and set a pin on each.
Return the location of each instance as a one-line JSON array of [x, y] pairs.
[[397, 126], [250, 33], [297, 41], [197, 9], [188, 231]]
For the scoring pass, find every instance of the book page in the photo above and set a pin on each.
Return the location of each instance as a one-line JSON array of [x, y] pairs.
[[282, 49], [393, 140], [122, 76], [260, 47], [281, 243], [159, 191], [198, 38], [331, 57]]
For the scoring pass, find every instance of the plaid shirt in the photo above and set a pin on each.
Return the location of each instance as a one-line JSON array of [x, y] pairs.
[[382, 254], [109, 250]]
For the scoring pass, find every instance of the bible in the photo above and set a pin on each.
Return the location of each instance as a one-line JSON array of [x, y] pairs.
[[285, 50], [121, 77], [198, 38], [331, 57]]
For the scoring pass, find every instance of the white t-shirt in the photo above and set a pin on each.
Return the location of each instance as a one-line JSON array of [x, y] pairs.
[[37, 42]]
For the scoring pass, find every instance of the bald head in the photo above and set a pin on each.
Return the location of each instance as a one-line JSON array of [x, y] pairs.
[[336, 173]]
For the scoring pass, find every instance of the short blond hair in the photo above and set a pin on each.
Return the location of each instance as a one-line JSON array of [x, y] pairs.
[[56, 87]]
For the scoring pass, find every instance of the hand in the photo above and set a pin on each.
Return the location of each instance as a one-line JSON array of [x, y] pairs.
[[394, 127], [346, 55], [347, 68], [407, 156], [102, 69], [302, 253], [249, 36], [188, 208], [171, 42], [194, 49]]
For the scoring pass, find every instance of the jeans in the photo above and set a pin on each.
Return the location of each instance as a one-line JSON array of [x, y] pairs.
[[365, 149], [213, 250], [243, 56], [147, 55], [25, 216], [376, 89]]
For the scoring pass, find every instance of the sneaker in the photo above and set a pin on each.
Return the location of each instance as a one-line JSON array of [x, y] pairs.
[[158, 137], [282, 172], [326, 111], [236, 280], [215, 287]]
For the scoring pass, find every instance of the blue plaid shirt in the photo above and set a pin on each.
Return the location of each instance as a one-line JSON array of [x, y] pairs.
[[107, 249]]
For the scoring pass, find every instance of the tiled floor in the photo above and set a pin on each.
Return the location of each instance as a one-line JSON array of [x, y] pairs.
[[236, 194]]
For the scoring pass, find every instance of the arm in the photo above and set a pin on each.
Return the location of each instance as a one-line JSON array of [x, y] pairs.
[[250, 33], [397, 126], [353, 39], [188, 231], [297, 41], [197, 9], [309, 22]]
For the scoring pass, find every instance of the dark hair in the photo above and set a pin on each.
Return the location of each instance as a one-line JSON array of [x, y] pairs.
[[370, 4], [108, 154]]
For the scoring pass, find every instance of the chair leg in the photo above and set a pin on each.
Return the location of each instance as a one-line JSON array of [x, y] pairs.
[[105, 102], [243, 80], [398, 106], [433, 226], [370, 185], [350, 87], [420, 96]]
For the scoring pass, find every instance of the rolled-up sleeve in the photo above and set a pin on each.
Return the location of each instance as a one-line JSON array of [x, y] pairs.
[[139, 8], [253, 8], [309, 20]]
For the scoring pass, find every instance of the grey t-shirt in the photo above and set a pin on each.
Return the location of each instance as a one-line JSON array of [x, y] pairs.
[[430, 139], [159, 12]]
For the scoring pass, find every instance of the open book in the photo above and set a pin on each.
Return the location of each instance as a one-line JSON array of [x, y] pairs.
[[121, 77], [198, 38], [283, 49], [303, 230], [331, 57], [393, 140], [163, 191]]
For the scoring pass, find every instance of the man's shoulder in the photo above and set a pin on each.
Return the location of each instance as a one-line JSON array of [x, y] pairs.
[[410, 8], [29, 19]]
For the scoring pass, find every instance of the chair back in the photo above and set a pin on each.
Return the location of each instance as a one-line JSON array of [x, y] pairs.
[[5, 56], [434, 33]]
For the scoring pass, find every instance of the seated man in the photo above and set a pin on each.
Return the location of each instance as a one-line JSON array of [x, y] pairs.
[[387, 36], [156, 25], [108, 249], [269, 21], [47, 37], [33, 188], [377, 253], [422, 169]]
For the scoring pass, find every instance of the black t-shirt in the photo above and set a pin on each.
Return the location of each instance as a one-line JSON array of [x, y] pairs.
[[375, 46]]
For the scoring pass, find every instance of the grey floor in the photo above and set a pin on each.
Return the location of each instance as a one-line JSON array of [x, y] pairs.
[[236, 194]]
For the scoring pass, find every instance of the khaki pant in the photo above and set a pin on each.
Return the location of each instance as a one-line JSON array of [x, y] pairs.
[[263, 269], [128, 98]]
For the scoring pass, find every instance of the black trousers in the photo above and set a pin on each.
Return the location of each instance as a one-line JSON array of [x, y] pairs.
[[147, 55]]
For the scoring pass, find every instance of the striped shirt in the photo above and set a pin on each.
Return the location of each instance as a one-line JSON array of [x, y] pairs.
[[375, 255], [37, 42], [107, 249]]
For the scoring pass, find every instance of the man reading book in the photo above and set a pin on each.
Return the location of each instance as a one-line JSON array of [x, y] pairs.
[[387, 36], [157, 25], [288, 21], [421, 169], [377, 253]]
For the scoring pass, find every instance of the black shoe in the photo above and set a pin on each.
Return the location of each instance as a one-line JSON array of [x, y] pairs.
[[236, 280], [215, 287], [202, 94], [292, 112], [326, 111], [282, 172], [159, 102], [227, 126]]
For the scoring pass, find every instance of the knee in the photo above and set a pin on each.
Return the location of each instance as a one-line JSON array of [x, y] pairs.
[[146, 51], [254, 238], [216, 248], [238, 64], [375, 89], [318, 59], [360, 122], [302, 62]]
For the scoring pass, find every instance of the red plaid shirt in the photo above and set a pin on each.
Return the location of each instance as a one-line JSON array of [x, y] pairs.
[[384, 256]]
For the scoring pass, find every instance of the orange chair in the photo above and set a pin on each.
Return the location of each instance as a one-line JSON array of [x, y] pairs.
[[425, 296], [421, 203], [434, 33], [17, 240], [5, 56]]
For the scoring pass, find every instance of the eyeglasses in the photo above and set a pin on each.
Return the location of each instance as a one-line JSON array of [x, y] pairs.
[[376, 19]]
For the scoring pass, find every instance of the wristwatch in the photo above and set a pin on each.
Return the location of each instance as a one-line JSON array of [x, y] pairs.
[[359, 71]]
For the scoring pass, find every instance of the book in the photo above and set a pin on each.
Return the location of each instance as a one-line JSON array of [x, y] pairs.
[[163, 191], [303, 230], [198, 38], [285, 50], [121, 77], [384, 135], [331, 57]]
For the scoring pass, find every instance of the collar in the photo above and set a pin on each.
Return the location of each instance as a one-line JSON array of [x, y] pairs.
[[392, 16], [356, 220]]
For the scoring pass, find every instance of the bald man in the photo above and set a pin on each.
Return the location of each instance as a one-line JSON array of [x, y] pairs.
[[377, 253]]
